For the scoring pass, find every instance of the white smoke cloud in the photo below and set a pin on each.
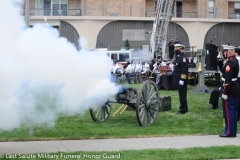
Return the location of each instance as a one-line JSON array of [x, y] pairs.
[[42, 74]]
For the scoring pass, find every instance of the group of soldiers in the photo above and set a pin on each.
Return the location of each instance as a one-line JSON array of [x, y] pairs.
[[229, 90]]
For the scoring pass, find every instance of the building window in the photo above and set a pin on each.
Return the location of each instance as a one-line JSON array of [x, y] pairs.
[[211, 7], [179, 8], [59, 7], [236, 7], [59, 4], [51, 7], [133, 34]]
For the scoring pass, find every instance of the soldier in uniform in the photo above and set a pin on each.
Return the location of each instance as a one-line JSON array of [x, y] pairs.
[[230, 92], [171, 49], [180, 77]]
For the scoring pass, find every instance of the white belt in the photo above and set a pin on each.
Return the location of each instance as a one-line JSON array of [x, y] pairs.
[[233, 79]]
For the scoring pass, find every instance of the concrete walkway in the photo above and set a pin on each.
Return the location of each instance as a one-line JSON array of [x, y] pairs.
[[28, 147]]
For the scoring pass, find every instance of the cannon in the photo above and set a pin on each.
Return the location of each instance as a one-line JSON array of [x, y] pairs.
[[145, 102]]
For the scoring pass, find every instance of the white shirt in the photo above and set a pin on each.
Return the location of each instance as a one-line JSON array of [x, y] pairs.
[[171, 65], [155, 64], [144, 68], [130, 68], [138, 68], [147, 66], [118, 67], [155, 69], [163, 64]]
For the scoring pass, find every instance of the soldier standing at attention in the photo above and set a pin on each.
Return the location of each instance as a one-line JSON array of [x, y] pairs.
[[171, 49], [230, 92], [180, 77]]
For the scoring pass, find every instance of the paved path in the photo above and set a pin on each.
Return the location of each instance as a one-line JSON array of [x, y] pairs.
[[28, 147]]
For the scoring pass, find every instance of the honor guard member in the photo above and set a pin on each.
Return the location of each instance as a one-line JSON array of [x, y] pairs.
[[230, 92], [171, 49], [180, 77]]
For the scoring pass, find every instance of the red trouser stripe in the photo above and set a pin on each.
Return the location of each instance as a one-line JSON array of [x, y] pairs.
[[227, 114]]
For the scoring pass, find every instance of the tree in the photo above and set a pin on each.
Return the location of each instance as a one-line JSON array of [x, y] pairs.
[[127, 46]]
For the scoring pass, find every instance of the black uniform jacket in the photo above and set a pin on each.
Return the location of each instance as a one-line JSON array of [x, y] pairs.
[[230, 73], [180, 69]]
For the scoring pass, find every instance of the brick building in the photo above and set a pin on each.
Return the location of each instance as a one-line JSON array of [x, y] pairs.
[[105, 23]]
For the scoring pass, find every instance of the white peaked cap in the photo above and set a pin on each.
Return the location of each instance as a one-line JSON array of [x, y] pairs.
[[178, 46], [228, 47]]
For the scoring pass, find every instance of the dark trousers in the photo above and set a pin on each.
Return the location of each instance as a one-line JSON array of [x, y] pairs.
[[238, 102], [171, 53], [220, 65], [159, 81], [182, 91], [238, 108], [230, 115], [214, 98], [128, 75]]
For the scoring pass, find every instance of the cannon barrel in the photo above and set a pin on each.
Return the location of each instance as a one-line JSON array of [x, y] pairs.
[[126, 95]]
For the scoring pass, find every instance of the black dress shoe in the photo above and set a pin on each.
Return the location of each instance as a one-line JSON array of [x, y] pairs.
[[212, 108], [179, 112], [227, 136]]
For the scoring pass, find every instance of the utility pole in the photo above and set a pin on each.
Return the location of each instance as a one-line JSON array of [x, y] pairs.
[[27, 12]]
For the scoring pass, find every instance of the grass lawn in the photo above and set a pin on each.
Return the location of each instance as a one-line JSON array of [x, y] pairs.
[[198, 121]]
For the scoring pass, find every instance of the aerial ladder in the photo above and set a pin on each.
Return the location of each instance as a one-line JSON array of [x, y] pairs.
[[163, 15]]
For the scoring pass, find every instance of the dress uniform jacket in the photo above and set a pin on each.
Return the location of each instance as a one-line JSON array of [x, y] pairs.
[[230, 85], [180, 69], [230, 88], [180, 73]]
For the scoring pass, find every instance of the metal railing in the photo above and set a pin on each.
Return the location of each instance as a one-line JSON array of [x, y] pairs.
[[189, 15], [93, 10], [150, 14], [177, 15], [233, 15], [129, 11], [55, 12]]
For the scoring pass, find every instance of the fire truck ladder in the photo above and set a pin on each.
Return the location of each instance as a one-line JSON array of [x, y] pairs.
[[163, 16]]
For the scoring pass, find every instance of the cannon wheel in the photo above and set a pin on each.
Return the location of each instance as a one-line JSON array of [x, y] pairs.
[[147, 104], [101, 112]]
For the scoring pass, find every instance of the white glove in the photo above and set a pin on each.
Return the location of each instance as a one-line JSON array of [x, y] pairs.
[[225, 97], [181, 82]]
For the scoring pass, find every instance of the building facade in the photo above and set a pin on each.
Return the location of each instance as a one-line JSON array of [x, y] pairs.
[[108, 23]]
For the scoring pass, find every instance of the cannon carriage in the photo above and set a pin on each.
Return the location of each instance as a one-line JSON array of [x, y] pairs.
[[145, 102]]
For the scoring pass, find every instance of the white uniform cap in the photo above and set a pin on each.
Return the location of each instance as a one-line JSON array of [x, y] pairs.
[[228, 47], [178, 46]]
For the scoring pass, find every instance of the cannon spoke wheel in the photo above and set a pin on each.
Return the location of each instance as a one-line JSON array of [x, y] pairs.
[[101, 112], [147, 104]]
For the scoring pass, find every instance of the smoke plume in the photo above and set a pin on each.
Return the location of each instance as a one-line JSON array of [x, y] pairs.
[[42, 74]]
